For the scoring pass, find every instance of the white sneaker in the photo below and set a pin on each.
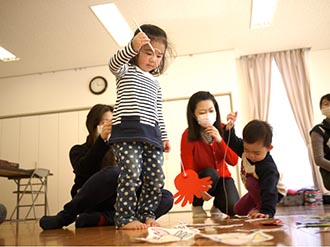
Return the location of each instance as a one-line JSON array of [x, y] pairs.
[[215, 212], [198, 212]]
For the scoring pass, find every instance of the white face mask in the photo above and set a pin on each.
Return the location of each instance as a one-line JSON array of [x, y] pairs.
[[206, 120], [326, 112]]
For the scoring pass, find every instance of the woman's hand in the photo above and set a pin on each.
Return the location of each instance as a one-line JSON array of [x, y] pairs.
[[206, 196], [106, 130], [214, 132]]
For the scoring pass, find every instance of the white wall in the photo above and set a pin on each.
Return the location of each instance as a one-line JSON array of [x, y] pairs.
[[45, 140]]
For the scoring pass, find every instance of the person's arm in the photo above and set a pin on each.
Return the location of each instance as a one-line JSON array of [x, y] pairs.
[[268, 179], [88, 160], [234, 142], [121, 58], [231, 157], [161, 121], [318, 151], [222, 149]]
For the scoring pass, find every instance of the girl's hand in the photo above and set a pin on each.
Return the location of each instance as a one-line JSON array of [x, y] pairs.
[[167, 146], [214, 132], [231, 119], [140, 40]]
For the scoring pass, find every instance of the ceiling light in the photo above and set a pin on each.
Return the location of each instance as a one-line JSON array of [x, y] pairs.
[[7, 56], [262, 13], [114, 22]]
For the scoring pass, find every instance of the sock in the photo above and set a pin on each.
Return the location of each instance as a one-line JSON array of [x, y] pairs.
[[88, 219], [95, 219], [50, 222]]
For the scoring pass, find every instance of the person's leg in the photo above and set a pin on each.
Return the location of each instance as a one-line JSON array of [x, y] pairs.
[[102, 218], [244, 205], [97, 197], [197, 204], [253, 188], [166, 203], [226, 195], [152, 182], [251, 200], [98, 188], [129, 156]]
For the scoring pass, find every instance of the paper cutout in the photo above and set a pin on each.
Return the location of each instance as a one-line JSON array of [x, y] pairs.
[[159, 235], [189, 184], [238, 238]]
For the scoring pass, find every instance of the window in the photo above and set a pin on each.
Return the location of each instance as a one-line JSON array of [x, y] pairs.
[[289, 152]]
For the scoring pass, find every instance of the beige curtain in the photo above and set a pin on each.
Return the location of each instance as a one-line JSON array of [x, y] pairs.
[[258, 70], [293, 67]]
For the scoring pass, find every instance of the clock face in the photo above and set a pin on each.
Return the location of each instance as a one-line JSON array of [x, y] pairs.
[[98, 85]]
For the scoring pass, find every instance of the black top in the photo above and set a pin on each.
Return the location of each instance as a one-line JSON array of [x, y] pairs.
[[266, 171], [323, 130], [86, 161]]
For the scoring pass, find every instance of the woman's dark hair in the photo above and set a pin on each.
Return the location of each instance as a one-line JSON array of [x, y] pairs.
[[258, 131], [194, 129], [327, 97], [158, 34], [94, 117]]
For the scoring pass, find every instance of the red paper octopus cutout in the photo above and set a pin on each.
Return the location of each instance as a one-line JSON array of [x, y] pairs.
[[189, 184]]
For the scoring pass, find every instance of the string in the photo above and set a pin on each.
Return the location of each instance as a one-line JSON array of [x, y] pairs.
[[223, 170], [183, 170]]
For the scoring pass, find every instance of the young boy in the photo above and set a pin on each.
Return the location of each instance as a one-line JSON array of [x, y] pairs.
[[258, 170]]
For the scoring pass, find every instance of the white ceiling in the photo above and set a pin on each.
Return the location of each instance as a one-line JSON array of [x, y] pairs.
[[54, 35]]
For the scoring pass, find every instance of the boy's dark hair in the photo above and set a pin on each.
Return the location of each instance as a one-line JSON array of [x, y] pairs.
[[194, 129], [258, 131], [158, 34], [93, 119], [327, 97]]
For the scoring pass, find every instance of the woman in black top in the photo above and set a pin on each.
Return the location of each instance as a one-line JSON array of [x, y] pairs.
[[94, 190], [320, 137]]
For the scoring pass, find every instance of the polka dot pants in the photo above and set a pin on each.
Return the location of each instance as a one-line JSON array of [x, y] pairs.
[[141, 167]]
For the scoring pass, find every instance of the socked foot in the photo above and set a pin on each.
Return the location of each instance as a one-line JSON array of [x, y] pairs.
[[152, 222], [50, 222], [134, 225]]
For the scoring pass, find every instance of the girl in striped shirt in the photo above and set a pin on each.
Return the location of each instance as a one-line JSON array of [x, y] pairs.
[[139, 135]]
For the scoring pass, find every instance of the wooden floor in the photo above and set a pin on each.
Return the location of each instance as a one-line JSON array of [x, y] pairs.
[[29, 233]]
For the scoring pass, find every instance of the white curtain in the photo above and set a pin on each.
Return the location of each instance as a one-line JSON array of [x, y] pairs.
[[293, 67], [258, 73]]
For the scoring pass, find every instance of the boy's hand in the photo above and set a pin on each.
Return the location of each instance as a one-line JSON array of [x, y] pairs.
[[231, 119], [253, 214]]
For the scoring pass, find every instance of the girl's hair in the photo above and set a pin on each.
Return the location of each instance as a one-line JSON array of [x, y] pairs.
[[157, 34], [194, 129], [327, 97], [93, 119], [258, 131]]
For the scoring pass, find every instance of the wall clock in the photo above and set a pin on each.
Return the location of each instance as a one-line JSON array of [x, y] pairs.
[[98, 85]]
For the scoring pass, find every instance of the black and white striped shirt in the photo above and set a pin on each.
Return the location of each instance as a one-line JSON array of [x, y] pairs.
[[138, 93]]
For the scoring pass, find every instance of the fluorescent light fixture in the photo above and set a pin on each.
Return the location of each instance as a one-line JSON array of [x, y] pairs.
[[7, 56], [262, 13], [114, 22]]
